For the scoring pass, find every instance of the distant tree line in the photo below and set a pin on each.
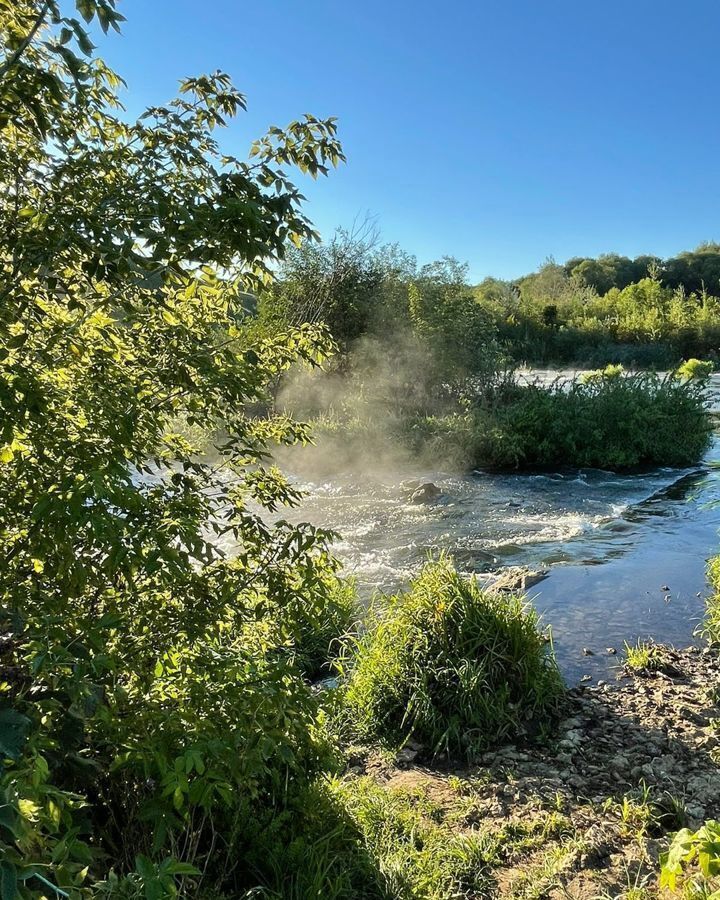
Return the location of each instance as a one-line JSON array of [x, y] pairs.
[[694, 270], [646, 311]]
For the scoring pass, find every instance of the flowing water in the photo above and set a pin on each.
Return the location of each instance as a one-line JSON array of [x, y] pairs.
[[612, 543]]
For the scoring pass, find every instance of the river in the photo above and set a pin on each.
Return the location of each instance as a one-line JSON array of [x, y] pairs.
[[612, 543]]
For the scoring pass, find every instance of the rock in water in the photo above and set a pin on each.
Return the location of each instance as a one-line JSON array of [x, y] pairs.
[[514, 578], [426, 493]]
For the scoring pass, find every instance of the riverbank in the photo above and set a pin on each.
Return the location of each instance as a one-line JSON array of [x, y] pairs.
[[584, 815]]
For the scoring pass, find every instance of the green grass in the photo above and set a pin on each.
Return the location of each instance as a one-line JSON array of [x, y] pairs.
[[451, 666], [321, 622], [644, 656], [354, 837], [351, 838], [711, 626], [313, 849], [417, 855]]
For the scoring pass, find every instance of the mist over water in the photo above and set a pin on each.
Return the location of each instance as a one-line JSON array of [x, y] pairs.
[[611, 541]]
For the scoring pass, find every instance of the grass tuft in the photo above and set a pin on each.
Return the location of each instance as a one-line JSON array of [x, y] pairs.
[[711, 626], [451, 666], [644, 656]]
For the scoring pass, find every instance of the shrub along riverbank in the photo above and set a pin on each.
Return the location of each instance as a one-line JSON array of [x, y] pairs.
[[450, 666], [606, 419], [645, 313]]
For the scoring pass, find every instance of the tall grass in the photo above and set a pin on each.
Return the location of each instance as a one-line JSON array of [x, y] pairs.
[[451, 666], [314, 849], [416, 854], [610, 420], [711, 626], [352, 839], [319, 622]]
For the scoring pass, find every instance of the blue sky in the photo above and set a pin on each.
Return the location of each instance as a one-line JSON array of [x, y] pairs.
[[499, 132]]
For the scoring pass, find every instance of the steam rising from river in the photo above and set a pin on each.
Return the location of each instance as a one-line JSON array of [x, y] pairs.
[[379, 384]]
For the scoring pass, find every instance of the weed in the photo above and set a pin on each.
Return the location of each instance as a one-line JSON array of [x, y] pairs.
[[692, 861]]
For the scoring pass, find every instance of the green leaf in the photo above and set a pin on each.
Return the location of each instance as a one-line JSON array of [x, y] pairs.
[[9, 816], [144, 867], [86, 8], [154, 890], [13, 732], [180, 868], [8, 881]]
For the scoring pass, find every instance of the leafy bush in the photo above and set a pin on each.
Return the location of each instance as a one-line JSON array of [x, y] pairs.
[[613, 422], [150, 696], [563, 314], [693, 862], [463, 440], [451, 666], [598, 376], [604, 420], [695, 369]]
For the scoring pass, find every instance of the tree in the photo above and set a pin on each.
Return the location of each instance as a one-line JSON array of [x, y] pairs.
[[148, 693], [337, 283], [695, 270], [458, 331], [549, 283]]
